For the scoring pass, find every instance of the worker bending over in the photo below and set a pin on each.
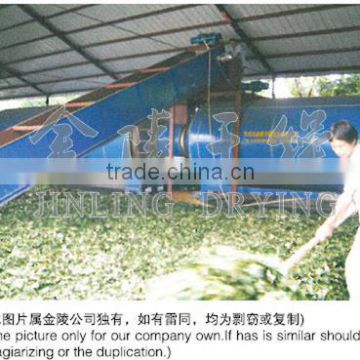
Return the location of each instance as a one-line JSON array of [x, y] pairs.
[[344, 142]]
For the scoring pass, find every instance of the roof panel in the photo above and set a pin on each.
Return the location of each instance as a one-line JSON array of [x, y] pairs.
[[111, 12], [75, 85], [10, 81], [239, 11], [22, 33], [182, 39], [316, 62], [178, 19], [331, 18], [50, 10], [50, 61], [155, 43], [311, 43], [105, 33], [19, 92], [69, 73], [72, 21], [137, 63], [37, 48], [157, 23], [126, 48], [254, 67], [12, 15]]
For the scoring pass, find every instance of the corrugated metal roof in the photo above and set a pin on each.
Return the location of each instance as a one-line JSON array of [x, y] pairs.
[[312, 43], [298, 23], [48, 46], [10, 93], [84, 84], [139, 63], [51, 10], [58, 74], [291, 39], [4, 83], [11, 16], [54, 61], [22, 33], [243, 10], [110, 13]]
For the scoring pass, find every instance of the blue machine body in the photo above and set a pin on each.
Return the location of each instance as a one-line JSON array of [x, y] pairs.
[[124, 107], [162, 142], [13, 117], [269, 129], [274, 129]]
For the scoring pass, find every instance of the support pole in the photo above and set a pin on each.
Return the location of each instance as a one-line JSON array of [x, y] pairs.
[[171, 146], [273, 87], [236, 149]]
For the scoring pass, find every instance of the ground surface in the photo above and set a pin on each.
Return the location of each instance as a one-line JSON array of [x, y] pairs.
[[78, 257]]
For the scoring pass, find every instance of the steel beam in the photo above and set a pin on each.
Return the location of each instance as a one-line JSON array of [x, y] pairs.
[[313, 52], [305, 72], [306, 33]]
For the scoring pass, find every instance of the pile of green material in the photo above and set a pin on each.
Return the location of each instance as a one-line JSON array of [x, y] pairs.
[[225, 273], [114, 258]]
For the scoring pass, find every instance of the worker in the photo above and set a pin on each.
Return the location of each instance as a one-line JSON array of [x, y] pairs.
[[343, 138], [234, 49], [234, 58]]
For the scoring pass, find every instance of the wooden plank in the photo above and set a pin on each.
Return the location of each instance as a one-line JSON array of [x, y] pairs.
[[155, 70], [79, 104], [26, 128], [120, 85], [10, 135]]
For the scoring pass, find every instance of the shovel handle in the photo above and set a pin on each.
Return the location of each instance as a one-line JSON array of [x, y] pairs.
[[300, 254]]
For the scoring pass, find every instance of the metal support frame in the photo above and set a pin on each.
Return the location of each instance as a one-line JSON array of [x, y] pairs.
[[169, 184], [236, 149], [54, 30], [273, 95]]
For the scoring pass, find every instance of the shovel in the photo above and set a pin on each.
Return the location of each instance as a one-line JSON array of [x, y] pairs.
[[293, 260]]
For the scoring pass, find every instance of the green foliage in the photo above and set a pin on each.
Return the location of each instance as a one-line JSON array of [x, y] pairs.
[[304, 87], [225, 273], [114, 258], [345, 86]]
